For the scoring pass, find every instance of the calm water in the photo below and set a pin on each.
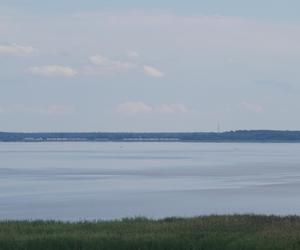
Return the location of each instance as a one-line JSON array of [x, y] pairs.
[[73, 181]]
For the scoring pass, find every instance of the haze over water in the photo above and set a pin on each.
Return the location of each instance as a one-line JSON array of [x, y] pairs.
[[73, 181]]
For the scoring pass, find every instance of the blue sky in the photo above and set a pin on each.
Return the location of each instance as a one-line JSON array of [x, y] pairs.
[[149, 65], [266, 9]]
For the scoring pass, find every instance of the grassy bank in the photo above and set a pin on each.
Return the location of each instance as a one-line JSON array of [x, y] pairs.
[[212, 232]]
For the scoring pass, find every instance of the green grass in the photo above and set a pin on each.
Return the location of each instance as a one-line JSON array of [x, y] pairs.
[[238, 232]]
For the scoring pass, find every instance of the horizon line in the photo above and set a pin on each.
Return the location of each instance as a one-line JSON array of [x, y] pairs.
[[150, 132]]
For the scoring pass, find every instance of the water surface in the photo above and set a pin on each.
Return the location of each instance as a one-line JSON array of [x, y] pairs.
[[72, 181]]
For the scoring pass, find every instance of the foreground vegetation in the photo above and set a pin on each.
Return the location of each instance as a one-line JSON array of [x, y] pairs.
[[212, 232]]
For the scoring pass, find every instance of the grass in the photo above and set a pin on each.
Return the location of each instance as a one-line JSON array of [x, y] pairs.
[[234, 232]]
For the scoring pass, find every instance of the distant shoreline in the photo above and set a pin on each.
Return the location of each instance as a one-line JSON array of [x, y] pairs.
[[239, 136], [153, 141]]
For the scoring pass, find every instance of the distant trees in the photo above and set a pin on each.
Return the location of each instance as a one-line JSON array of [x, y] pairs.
[[230, 136]]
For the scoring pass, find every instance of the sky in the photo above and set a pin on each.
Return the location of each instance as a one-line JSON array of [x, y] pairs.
[[149, 65]]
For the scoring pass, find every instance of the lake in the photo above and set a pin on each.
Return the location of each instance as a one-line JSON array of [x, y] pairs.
[[110, 180]]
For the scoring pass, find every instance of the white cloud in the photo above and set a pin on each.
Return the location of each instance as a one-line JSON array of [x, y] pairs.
[[151, 71], [104, 64], [99, 65], [173, 109], [107, 65], [252, 107], [132, 55], [53, 70], [134, 108], [16, 50]]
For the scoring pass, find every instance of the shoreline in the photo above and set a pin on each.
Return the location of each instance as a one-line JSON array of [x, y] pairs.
[[247, 136], [152, 141]]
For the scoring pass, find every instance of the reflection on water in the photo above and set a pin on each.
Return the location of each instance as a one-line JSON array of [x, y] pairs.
[[73, 181]]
